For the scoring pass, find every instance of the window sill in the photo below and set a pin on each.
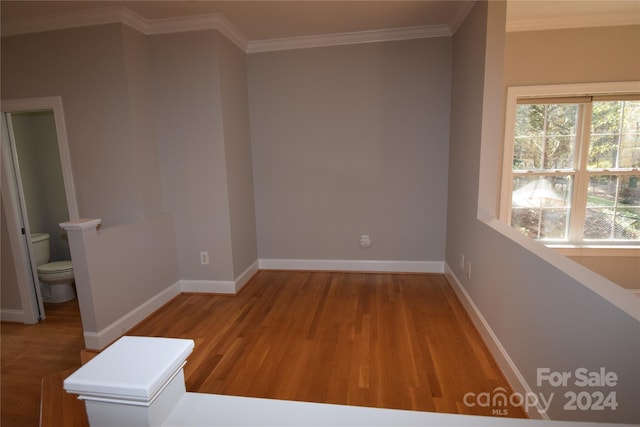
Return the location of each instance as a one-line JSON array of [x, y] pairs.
[[596, 250]]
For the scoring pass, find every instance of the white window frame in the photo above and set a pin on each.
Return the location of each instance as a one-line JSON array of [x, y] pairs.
[[514, 93]]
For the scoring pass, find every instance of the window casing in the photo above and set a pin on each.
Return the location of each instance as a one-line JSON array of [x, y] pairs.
[[571, 173]]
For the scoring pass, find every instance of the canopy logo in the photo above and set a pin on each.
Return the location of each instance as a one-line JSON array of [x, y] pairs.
[[499, 401]]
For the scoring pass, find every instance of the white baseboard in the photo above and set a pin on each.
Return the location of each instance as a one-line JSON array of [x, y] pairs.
[[246, 275], [101, 339], [7, 315], [353, 265], [506, 365], [208, 286]]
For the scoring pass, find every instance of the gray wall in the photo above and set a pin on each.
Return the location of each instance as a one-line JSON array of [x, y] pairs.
[[147, 164], [542, 317], [102, 75], [238, 160], [201, 119], [155, 124], [351, 140], [191, 146], [86, 67]]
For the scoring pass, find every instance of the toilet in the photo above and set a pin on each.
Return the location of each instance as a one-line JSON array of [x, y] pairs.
[[56, 278]]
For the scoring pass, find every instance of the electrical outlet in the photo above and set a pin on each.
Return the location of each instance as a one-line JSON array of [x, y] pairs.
[[365, 241], [204, 257], [467, 269]]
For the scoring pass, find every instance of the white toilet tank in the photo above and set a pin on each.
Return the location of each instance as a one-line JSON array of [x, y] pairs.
[[40, 245]]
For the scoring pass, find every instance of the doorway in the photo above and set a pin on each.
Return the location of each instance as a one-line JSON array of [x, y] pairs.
[[37, 190]]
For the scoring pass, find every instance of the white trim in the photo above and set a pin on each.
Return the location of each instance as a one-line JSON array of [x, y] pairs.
[[573, 89], [566, 22], [12, 204], [99, 340], [208, 286], [541, 91], [123, 15], [8, 315], [356, 37], [73, 19], [30, 295], [214, 21], [504, 361], [53, 103], [597, 251], [81, 224], [104, 337], [246, 275], [353, 265], [217, 21]]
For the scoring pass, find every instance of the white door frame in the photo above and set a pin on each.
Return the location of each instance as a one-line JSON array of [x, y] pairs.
[[15, 209]]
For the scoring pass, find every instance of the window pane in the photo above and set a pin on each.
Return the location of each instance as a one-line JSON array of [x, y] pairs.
[[540, 206], [615, 135], [559, 152], [603, 151], [545, 136], [630, 151], [613, 208], [527, 153], [561, 119]]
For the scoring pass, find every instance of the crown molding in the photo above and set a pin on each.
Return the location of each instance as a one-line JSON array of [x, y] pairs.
[[216, 21], [358, 37], [123, 15], [76, 19], [577, 21]]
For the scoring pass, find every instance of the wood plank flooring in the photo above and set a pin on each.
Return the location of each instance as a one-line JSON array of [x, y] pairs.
[[385, 340], [31, 352]]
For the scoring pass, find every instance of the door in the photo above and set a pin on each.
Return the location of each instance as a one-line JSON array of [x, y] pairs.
[[13, 198]]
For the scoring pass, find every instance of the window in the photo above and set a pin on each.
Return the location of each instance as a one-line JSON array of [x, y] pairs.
[[573, 172]]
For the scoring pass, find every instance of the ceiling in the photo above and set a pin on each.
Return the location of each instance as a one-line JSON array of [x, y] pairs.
[[260, 20]]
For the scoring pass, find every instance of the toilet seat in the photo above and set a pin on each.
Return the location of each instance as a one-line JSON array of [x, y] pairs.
[[55, 267], [57, 272]]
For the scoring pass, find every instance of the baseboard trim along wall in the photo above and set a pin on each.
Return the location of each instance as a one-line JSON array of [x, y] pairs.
[[99, 340], [230, 287], [246, 275], [8, 315], [506, 365], [208, 286], [353, 265]]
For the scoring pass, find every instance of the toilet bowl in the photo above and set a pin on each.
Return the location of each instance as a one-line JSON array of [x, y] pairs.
[[56, 278]]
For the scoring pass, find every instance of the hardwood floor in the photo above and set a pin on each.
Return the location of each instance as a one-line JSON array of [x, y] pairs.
[[386, 340], [31, 352]]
